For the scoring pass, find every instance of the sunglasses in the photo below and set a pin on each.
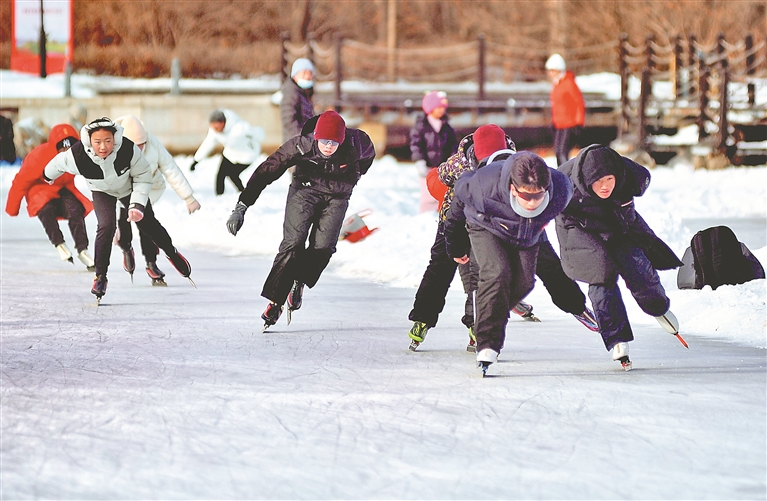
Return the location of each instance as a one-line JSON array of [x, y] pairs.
[[327, 142], [529, 197]]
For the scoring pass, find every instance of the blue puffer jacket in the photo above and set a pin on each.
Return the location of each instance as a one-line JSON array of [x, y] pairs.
[[483, 198]]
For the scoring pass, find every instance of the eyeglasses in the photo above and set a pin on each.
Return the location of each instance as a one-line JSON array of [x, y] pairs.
[[327, 142], [529, 197]]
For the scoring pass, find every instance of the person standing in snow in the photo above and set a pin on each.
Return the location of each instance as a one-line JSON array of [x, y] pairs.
[[296, 105], [51, 202], [164, 169], [499, 212], [602, 236], [432, 141], [241, 142], [329, 160], [568, 110], [115, 170]]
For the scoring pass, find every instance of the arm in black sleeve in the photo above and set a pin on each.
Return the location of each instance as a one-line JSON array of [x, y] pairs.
[[456, 237], [367, 153], [271, 169]]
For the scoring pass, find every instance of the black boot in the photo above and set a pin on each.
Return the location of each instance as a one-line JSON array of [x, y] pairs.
[[180, 263], [129, 261], [296, 296], [99, 286], [271, 314]]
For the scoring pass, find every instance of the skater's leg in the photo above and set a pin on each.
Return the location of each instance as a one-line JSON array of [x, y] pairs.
[[234, 174], [469, 273], [611, 314], [223, 170], [565, 292], [299, 216], [151, 227], [104, 207], [322, 240], [75, 214], [148, 248], [431, 294], [641, 279], [48, 216], [126, 232]]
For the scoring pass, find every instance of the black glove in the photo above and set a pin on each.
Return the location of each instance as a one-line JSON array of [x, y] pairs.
[[234, 223], [191, 167]]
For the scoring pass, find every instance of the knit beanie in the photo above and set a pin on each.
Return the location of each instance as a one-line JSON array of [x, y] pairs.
[[301, 64], [433, 100], [133, 129], [556, 62], [600, 162], [331, 126], [487, 140]]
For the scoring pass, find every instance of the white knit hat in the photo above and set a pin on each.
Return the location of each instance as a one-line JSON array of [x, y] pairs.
[[301, 64], [556, 62], [134, 129]]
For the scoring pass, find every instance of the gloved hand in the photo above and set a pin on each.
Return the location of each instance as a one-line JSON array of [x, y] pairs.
[[422, 168], [192, 204], [194, 164], [234, 223], [135, 212]]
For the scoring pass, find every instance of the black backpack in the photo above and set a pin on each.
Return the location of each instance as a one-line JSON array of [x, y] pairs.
[[716, 257]]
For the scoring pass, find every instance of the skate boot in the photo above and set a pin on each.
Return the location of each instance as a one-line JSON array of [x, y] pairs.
[[295, 298], [620, 353], [525, 311], [271, 314], [64, 253], [87, 260], [181, 264], [472, 346], [99, 287], [588, 319], [417, 334], [155, 274], [485, 358], [671, 325], [129, 262]]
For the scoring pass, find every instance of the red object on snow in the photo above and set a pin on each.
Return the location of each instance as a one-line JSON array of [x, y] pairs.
[[354, 228]]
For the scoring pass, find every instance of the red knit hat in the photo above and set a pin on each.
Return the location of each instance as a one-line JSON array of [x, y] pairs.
[[487, 140], [331, 126]]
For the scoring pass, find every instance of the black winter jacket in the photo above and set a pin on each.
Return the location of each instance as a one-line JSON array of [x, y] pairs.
[[434, 147], [589, 225], [334, 175], [295, 108]]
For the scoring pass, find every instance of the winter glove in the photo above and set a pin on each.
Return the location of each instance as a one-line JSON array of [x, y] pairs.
[[421, 167], [192, 204], [234, 223], [194, 164], [135, 212]]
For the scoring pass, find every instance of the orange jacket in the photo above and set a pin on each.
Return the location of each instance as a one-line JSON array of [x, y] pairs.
[[567, 106], [29, 182], [437, 188]]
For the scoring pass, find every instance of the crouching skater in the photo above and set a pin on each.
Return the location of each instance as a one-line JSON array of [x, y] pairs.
[[115, 170], [329, 160], [601, 236]]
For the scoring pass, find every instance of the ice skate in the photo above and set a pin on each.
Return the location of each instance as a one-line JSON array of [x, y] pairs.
[[671, 325], [472, 346], [64, 253], [87, 260], [157, 276], [99, 287], [271, 314], [295, 298], [588, 319], [129, 262], [485, 358], [182, 265], [417, 334], [525, 311], [620, 352]]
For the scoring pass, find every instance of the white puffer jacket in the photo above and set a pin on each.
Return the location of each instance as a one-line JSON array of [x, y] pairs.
[[241, 141], [135, 181]]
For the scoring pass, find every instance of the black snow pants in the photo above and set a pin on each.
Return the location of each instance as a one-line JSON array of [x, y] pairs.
[[565, 292], [68, 207], [148, 248], [506, 276], [230, 170], [564, 141], [105, 207], [308, 214]]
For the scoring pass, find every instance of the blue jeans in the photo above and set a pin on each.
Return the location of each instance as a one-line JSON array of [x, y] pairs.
[[643, 282]]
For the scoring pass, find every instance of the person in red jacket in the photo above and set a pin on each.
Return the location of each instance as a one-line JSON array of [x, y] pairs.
[[51, 202], [568, 110]]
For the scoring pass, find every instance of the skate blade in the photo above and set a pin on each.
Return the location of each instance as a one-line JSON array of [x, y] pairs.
[[289, 315], [681, 340], [626, 364], [483, 367], [159, 282], [471, 348], [131, 278], [266, 326], [192, 282], [532, 318], [413, 345]]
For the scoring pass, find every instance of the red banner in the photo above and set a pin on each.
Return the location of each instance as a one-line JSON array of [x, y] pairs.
[[58, 23]]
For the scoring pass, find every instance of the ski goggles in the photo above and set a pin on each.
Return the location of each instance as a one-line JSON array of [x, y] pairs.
[[327, 142], [530, 197]]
